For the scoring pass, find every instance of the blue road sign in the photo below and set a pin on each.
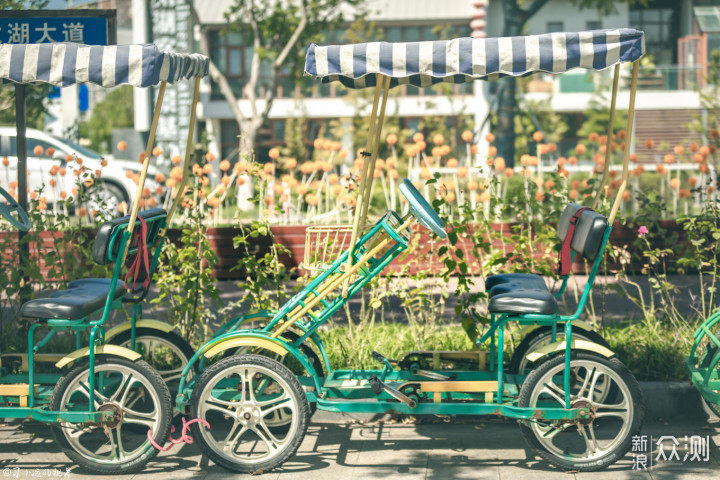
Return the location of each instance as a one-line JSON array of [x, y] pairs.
[[87, 30]]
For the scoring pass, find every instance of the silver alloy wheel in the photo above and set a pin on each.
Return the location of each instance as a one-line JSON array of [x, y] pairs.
[[598, 439], [134, 399], [242, 405], [602, 388]]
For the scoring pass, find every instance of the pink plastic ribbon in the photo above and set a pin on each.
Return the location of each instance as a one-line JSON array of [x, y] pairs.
[[184, 436]]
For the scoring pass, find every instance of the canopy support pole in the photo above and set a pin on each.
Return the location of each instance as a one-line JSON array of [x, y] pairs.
[[21, 125], [628, 138], [376, 147], [608, 143], [146, 164], [363, 176], [188, 148]]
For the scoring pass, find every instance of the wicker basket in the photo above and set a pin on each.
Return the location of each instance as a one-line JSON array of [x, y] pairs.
[[325, 243]]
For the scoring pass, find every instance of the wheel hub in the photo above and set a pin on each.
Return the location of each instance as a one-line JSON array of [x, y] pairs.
[[249, 415], [117, 414], [587, 420]]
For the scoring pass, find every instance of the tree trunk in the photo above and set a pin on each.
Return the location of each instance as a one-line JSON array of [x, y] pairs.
[[507, 103]]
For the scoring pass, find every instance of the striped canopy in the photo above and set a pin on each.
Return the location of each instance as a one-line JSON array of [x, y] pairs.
[[63, 64], [464, 59]]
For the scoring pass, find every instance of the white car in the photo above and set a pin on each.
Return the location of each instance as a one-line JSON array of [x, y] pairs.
[[115, 185]]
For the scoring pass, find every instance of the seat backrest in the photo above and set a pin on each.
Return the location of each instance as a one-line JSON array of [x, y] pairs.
[[107, 241], [589, 231]]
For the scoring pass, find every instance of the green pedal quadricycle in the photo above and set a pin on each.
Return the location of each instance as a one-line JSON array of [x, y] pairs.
[[578, 406], [108, 406]]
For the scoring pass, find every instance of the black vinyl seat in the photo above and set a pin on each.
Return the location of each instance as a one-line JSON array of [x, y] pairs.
[[522, 293], [86, 296], [76, 302]]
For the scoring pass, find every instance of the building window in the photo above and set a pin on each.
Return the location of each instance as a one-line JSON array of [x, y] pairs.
[[555, 27], [593, 25], [661, 27]]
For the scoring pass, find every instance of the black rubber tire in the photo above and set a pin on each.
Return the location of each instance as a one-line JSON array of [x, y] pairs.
[[198, 431], [123, 339], [536, 335], [165, 415], [619, 451]]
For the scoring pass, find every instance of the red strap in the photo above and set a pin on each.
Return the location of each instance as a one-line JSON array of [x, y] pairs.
[[565, 263], [142, 258]]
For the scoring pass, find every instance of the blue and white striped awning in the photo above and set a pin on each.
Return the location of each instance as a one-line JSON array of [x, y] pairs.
[[63, 64], [464, 59]]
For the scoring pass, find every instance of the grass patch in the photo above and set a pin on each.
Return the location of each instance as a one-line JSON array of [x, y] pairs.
[[651, 350]]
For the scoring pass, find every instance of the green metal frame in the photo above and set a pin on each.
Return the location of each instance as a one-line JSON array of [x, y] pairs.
[[333, 396], [115, 249], [706, 377]]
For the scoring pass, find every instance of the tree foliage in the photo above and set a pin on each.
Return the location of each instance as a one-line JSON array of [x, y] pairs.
[[114, 111]]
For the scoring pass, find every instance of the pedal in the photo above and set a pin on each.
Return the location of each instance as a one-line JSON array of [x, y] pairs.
[[378, 386]]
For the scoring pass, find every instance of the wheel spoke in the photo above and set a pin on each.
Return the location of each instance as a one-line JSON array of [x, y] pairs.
[[585, 382], [229, 446], [148, 419], [287, 403], [262, 431], [549, 390]]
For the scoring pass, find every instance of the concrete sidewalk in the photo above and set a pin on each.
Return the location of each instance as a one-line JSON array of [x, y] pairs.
[[338, 447]]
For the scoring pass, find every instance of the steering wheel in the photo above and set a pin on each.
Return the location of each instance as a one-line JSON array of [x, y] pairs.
[[421, 209], [6, 210]]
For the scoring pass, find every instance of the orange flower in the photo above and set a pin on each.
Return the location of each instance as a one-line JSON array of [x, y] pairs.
[[62, 171], [128, 173], [669, 158], [394, 174], [418, 137], [704, 168], [580, 149], [574, 194], [621, 135], [684, 193], [633, 157], [649, 144], [639, 170], [122, 145], [572, 160], [704, 151], [207, 169], [268, 168], [473, 149], [88, 182], [82, 211], [438, 139], [549, 184], [274, 153], [159, 178], [593, 137], [694, 147], [679, 149], [561, 161], [452, 163], [484, 197], [34, 195], [661, 169], [38, 150], [626, 196], [159, 190], [52, 182], [692, 181], [391, 139], [539, 196], [499, 164], [141, 157], [538, 137], [472, 185], [170, 183], [239, 181], [492, 151], [176, 159], [467, 136], [63, 195], [509, 172], [675, 183], [425, 174], [490, 138], [6, 162], [156, 152]]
